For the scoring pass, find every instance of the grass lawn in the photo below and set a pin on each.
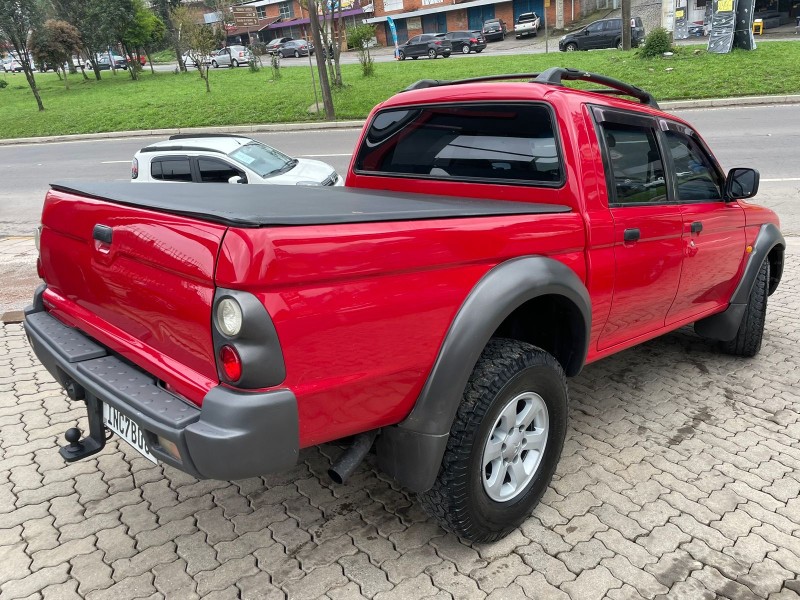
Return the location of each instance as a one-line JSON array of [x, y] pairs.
[[239, 96]]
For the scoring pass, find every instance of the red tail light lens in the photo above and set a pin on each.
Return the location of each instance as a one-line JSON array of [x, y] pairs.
[[473, 40], [438, 43], [231, 363]]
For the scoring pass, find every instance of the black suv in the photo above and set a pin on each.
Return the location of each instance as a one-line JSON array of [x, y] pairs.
[[606, 33], [465, 41], [427, 44], [494, 29]]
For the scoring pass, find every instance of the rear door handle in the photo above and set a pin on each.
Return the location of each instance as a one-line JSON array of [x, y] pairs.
[[631, 235], [697, 227]]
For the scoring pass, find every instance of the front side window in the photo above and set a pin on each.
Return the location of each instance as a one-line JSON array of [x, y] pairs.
[[595, 27], [213, 170], [513, 144], [171, 168], [637, 170], [696, 178]]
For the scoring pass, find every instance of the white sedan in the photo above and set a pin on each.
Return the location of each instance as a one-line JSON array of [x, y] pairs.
[[221, 158]]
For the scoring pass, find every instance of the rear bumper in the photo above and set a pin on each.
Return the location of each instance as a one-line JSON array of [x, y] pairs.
[[233, 436]]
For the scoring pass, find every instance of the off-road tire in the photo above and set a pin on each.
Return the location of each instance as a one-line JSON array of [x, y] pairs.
[[458, 500], [751, 330]]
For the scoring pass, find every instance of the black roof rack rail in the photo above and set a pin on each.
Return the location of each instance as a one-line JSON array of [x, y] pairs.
[[178, 148], [187, 136], [553, 76], [556, 75]]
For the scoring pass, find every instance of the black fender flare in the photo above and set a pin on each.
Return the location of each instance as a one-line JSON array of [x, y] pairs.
[[723, 326], [412, 451]]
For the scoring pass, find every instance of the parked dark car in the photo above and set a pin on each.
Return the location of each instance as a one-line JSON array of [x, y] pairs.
[[465, 41], [296, 48], [104, 61], [427, 44], [606, 33], [494, 29]]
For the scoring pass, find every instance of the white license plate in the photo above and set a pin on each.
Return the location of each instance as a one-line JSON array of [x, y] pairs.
[[128, 430]]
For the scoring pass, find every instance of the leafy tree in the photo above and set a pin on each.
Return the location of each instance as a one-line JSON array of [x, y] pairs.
[[199, 39], [163, 9], [359, 36], [17, 19], [54, 43], [146, 31]]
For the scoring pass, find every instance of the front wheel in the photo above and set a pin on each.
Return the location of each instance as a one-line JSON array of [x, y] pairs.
[[618, 44], [465, 49], [751, 330], [504, 443], [214, 64], [431, 53], [401, 55], [571, 47]]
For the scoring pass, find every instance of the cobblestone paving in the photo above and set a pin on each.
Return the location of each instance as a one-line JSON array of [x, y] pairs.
[[679, 479]]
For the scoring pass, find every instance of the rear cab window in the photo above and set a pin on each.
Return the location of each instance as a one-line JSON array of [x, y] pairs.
[[171, 168], [504, 143]]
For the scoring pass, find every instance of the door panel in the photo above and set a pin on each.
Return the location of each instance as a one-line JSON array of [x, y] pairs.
[[478, 14]]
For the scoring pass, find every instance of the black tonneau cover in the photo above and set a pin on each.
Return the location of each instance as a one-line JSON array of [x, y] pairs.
[[276, 205]]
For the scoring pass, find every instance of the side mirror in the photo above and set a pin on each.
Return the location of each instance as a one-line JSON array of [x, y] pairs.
[[585, 32], [237, 179], [741, 183]]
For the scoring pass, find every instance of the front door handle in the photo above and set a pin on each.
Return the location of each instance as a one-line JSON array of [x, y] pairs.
[[697, 227], [103, 233], [631, 235]]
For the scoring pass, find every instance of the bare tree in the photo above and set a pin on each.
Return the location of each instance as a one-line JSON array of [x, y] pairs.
[[17, 19], [199, 39], [324, 82]]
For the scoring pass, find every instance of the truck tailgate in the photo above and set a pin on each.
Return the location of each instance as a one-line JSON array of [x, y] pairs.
[[140, 282]]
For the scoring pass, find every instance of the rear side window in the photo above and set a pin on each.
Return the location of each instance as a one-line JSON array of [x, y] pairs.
[[509, 143], [171, 168], [636, 164]]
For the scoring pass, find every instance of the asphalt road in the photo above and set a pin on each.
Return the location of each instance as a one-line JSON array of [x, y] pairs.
[[761, 137]]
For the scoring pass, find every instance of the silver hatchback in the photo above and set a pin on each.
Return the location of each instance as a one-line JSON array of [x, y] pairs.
[[232, 56]]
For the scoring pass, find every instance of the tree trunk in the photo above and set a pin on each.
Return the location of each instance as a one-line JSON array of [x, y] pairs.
[[208, 85], [324, 83], [179, 56], [32, 83], [150, 60], [66, 80]]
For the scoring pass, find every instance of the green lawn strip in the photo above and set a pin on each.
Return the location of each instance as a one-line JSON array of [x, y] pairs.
[[239, 96]]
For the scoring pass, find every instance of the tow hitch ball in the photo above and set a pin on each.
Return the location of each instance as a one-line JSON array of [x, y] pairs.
[[78, 448]]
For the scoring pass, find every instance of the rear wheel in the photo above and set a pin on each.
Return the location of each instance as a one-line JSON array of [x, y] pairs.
[[297, 54], [571, 47], [618, 44], [465, 49], [504, 444], [751, 330], [234, 63], [431, 53]]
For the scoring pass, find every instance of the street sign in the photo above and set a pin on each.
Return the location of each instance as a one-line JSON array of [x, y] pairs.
[[245, 21], [244, 16], [244, 11]]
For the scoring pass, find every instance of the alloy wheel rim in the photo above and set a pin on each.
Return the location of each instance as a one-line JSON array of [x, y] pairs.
[[515, 446]]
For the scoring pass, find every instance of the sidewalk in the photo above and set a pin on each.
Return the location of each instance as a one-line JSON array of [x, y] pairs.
[[18, 274]]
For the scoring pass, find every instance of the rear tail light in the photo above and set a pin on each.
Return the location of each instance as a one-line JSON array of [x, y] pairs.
[[134, 169], [231, 363], [438, 43], [39, 268], [473, 40]]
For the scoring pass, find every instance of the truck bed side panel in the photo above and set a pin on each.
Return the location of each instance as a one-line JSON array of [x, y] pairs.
[[361, 310]]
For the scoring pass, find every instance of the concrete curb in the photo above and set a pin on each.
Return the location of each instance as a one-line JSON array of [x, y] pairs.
[[322, 125]]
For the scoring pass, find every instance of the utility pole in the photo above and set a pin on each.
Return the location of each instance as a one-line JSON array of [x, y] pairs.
[[322, 70], [626, 24]]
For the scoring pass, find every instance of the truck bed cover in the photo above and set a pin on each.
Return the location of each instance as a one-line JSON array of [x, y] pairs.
[[279, 205]]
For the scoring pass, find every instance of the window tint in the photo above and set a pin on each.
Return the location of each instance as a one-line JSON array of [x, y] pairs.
[[636, 164], [595, 27], [414, 40], [213, 170], [695, 176], [171, 168], [509, 143]]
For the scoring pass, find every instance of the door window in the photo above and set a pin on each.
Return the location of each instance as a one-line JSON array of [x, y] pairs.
[[171, 168], [696, 178], [213, 170], [414, 40], [636, 167]]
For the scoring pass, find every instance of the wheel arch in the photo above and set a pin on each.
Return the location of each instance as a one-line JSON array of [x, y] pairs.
[[769, 245], [534, 299]]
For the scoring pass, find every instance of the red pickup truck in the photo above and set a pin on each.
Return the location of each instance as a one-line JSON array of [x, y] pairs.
[[493, 238]]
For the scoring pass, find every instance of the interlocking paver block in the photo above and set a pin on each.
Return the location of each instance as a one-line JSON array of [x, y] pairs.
[[225, 575], [172, 580], [645, 584], [447, 578], [637, 554], [500, 573], [716, 582], [673, 567], [63, 552], [592, 584], [370, 579], [91, 572], [144, 561], [410, 564], [22, 588], [349, 591], [199, 555], [585, 555], [767, 577], [259, 587], [418, 587], [581, 529], [465, 559], [551, 568], [312, 556], [116, 543], [316, 583], [16, 563]]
